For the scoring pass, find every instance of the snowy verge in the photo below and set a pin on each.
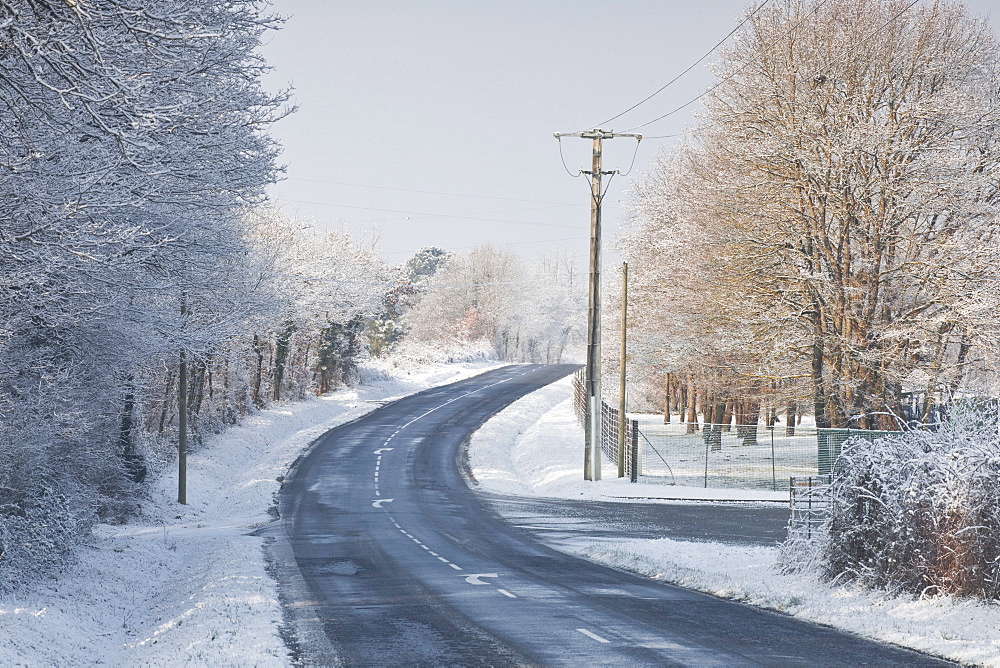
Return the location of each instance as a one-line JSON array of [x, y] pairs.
[[533, 448], [188, 584]]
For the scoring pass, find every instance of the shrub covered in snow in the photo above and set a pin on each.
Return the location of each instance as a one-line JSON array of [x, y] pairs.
[[919, 513], [40, 526]]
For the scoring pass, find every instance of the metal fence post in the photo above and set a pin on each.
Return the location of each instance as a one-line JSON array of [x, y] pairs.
[[707, 446], [774, 474], [635, 451]]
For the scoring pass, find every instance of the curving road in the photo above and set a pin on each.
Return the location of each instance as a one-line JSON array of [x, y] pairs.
[[384, 556]]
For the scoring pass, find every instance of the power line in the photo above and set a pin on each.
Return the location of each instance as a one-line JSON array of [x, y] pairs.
[[631, 165], [392, 284], [429, 214], [679, 134], [688, 69], [505, 243], [578, 174], [727, 78], [431, 192]]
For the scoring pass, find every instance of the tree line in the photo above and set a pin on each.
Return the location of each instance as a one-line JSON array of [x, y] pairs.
[[136, 229], [824, 237], [135, 158]]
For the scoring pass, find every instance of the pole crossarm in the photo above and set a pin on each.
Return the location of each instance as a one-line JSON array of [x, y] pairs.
[[597, 133]]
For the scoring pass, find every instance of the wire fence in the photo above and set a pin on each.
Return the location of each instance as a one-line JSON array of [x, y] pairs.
[[609, 429], [758, 456], [740, 456]]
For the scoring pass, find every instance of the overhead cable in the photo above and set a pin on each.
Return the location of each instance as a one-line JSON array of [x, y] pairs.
[[727, 78], [429, 214], [430, 192], [688, 69]]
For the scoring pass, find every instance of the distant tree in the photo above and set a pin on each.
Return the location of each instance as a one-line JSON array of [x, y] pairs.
[[524, 313], [425, 263]]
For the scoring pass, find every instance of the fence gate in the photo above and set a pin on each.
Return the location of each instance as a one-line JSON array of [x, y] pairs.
[[810, 503]]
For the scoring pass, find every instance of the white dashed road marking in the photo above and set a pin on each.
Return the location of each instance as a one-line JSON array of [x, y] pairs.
[[592, 635]]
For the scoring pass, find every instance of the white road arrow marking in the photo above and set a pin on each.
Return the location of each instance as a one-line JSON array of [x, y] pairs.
[[377, 503], [381, 450], [474, 579]]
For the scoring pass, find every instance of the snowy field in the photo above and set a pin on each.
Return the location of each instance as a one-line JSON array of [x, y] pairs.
[[670, 453], [534, 448], [188, 584]]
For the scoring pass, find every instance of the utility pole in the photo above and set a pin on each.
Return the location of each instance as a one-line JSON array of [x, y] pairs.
[[592, 377], [182, 417], [622, 420]]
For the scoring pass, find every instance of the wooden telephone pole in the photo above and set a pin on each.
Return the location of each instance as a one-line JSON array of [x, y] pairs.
[[622, 420], [592, 375]]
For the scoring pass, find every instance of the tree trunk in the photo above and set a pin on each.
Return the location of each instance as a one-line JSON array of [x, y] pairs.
[[258, 348], [752, 417], [727, 415], [819, 387], [714, 430], [167, 400], [666, 398], [692, 417]]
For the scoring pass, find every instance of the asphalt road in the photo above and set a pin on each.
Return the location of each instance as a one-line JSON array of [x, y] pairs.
[[553, 520], [384, 557]]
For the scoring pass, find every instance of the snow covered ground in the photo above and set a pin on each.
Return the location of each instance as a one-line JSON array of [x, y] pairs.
[[534, 448], [188, 584]]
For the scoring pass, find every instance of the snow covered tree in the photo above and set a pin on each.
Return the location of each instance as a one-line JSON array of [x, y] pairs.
[[488, 296], [425, 263], [842, 188], [133, 134]]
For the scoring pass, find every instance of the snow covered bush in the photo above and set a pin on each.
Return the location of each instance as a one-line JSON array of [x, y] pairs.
[[919, 513], [414, 352], [41, 523]]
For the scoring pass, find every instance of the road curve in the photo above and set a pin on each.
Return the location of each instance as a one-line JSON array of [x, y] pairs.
[[384, 556]]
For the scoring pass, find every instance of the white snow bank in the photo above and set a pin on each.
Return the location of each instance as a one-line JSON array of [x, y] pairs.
[[188, 584], [534, 447]]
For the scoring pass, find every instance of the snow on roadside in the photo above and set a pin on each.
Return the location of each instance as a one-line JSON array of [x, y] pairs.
[[188, 584], [533, 448]]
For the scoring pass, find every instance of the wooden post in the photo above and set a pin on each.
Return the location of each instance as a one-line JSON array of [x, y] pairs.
[[592, 450], [592, 376], [182, 417], [622, 421]]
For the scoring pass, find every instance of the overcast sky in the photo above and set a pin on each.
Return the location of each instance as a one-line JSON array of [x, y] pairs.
[[430, 123]]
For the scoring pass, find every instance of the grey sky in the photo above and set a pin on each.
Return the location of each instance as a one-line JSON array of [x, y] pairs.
[[462, 97]]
